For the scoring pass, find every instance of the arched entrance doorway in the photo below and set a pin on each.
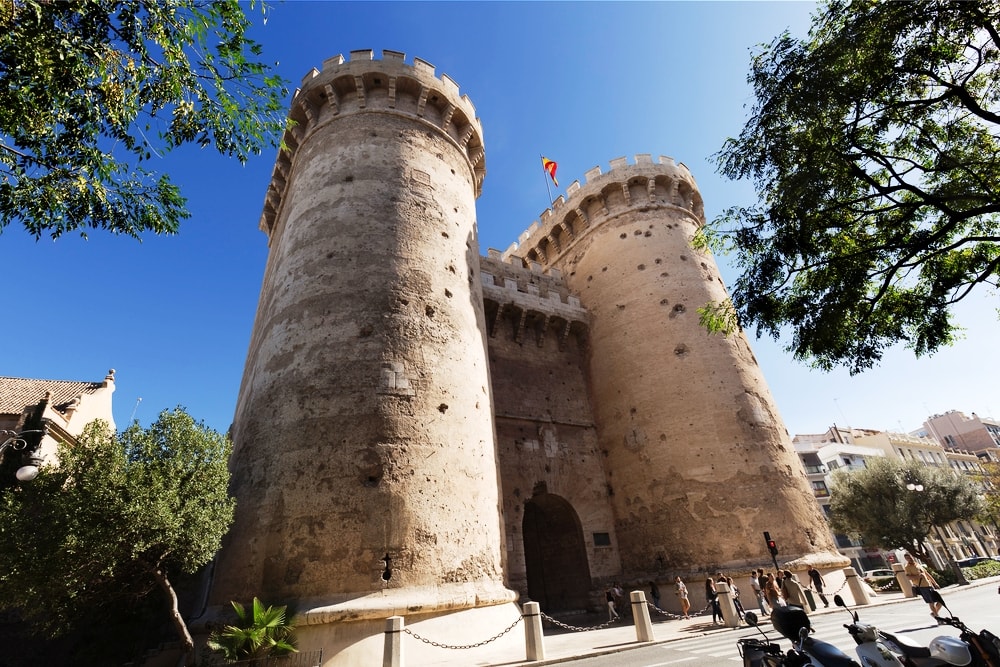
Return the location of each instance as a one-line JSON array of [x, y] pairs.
[[555, 554]]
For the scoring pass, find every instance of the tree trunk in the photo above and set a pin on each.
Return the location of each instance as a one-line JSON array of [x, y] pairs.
[[175, 614]]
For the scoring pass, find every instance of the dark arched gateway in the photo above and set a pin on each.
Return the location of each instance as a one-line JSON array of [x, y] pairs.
[[555, 555]]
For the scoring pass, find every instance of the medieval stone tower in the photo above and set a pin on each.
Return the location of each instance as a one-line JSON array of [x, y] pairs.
[[426, 432]]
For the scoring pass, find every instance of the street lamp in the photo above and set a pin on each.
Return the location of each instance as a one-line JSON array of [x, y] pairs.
[[15, 440]]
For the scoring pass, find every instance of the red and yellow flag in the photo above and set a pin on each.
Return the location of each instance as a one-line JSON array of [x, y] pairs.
[[550, 166]]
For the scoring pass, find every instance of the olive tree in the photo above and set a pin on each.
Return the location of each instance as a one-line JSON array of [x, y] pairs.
[[876, 504], [113, 521]]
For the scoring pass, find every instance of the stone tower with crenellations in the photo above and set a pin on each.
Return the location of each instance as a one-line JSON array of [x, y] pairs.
[[428, 432]]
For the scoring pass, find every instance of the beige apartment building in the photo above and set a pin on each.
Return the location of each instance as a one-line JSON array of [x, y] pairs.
[[954, 429], [851, 449]]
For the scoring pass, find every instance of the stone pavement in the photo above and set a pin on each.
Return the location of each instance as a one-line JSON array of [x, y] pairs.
[[563, 645]]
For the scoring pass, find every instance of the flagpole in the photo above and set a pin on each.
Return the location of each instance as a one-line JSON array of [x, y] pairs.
[[541, 160]]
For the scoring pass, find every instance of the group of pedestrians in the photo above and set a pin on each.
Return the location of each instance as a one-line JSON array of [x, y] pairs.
[[771, 589], [782, 587], [712, 596]]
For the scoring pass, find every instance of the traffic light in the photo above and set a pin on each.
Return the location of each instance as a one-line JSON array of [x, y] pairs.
[[772, 546]]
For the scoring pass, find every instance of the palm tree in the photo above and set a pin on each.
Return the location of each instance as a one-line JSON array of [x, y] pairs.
[[261, 633]]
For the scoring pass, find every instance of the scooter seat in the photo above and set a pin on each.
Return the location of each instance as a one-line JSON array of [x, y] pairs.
[[828, 654], [906, 645]]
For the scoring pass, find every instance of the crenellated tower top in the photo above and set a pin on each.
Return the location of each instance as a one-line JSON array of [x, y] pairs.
[[637, 185], [365, 85]]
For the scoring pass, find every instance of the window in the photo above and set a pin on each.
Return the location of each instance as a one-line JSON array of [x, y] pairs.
[[602, 540], [820, 490]]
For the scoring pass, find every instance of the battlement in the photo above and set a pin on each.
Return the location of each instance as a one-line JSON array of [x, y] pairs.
[[517, 277], [362, 84], [644, 183], [533, 299]]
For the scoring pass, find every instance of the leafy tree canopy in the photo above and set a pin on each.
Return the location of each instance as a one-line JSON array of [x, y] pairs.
[[106, 526], [873, 149], [876, 504], [92, 90]]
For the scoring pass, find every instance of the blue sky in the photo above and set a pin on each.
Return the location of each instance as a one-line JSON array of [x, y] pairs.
[[580, 82]]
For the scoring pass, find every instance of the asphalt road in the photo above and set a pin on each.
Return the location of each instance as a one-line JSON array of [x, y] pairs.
[[978, 607]]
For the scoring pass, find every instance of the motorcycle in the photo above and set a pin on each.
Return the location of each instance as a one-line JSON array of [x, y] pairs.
[[984, 645], [878, 648], [793, 624]]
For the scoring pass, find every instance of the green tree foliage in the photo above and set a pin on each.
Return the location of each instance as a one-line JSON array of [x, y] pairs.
[[92, 90], [876, 504], [105, 527], [990, 479], [259, 632], [873, 149]]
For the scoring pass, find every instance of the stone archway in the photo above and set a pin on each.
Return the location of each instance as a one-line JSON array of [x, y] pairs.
[[555, 555]]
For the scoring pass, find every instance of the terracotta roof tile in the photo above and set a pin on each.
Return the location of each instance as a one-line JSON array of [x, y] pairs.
[[18, 393]]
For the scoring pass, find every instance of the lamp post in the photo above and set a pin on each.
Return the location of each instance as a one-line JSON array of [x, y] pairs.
[[913, 484], [15, 440]]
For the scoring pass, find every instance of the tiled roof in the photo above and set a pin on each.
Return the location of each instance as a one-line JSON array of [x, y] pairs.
[[18, 393]]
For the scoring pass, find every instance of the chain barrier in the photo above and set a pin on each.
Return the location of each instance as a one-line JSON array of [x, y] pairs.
[[575, 628], [464, 646], [674, 616]]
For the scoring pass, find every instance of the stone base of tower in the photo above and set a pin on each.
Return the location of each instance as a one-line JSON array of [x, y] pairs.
[[352, 633]]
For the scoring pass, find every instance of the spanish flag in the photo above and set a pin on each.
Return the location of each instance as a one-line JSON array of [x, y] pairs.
[[550, 166]]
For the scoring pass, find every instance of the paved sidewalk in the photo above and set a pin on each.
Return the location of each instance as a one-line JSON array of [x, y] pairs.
[[563, 645]]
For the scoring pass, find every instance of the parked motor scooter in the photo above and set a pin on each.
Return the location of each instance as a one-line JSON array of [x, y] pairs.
[[984, 645], [759, 652], [878, 648], [792, 623], [765, 653]]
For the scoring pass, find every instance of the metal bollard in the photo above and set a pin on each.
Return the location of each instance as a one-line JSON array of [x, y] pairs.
[[640, 613], [392, 652], [534, 645], [857, 587]]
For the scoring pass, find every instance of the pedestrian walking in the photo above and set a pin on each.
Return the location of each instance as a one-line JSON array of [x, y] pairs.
[[792, 591], [681, 591], [923, 583], [620, 599], [712, 597], [758, 592], [816, 577], [772, 592], [736, 598], [609, 595]]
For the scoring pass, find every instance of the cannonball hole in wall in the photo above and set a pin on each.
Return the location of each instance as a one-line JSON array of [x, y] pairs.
[[641, 267], [447, 293], [445, 234], [623, 235], [429, 310]]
